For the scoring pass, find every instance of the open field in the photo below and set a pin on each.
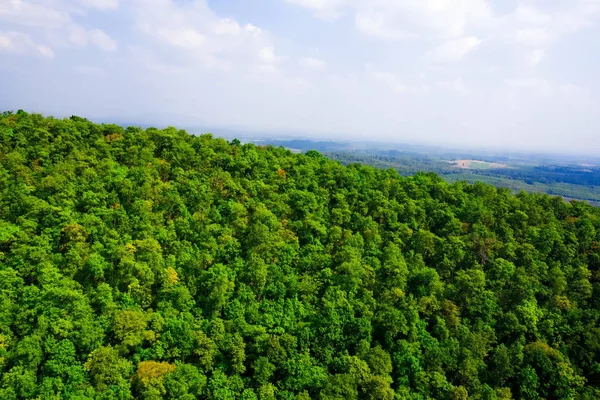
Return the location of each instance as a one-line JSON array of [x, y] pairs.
[[476, 164]]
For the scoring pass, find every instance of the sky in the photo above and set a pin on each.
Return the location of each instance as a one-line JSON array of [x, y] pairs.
[[510, 74]]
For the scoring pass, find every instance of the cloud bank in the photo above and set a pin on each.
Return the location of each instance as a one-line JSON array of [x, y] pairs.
[[520, 74]]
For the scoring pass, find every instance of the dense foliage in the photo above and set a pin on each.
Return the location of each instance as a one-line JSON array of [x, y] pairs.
[[156, 264]]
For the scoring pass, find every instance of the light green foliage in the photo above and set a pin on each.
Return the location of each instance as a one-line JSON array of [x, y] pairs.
[[106, 368], [156, 264], [130, 327]]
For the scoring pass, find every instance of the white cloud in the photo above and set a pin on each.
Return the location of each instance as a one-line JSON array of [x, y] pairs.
[[531, 16], [77, 35], [102, 40], [88, 70], [266, 68], [399, 19], [195, 37], [375, 24], [254, 30], [574, 94], [45, 51], [537, 57], [53, 20], [455, 50], [80, 36], [22, 43], [185, 38], [541, 29], [267, 60], [227, 27], [395, 83], [534, 37], [313, 63], [267, 55], [33, 14], [5, 42], [539, 85], [409, 18], [444, 17], [390, 80], [327, 9], [101, 4], [566, 94], [457, 85], [526, 25]]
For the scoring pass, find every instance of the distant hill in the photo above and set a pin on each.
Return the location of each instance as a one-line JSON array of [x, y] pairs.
[[571, 177]]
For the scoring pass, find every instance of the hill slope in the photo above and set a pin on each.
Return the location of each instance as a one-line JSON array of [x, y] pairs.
[[156, 264]]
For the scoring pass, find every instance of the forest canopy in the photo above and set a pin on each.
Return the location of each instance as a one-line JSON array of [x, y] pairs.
[[158, 264]]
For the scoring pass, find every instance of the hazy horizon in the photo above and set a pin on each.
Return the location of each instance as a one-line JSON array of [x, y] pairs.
[[479, 74], [251, 134]]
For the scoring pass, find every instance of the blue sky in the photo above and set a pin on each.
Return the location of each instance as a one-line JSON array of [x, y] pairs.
[[514, 74]]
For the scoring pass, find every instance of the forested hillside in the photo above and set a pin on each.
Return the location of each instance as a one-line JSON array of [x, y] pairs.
[[156, 264], [571, 181]]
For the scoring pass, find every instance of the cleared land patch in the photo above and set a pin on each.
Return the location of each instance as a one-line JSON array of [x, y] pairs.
[[476, 164]]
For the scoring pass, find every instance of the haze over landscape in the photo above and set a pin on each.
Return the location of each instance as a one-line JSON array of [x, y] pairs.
[[513, 74]]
